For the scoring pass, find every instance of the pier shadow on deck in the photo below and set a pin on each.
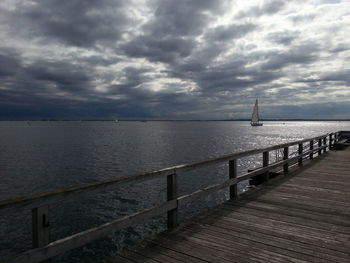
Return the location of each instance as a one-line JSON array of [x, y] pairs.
[[302, 217]]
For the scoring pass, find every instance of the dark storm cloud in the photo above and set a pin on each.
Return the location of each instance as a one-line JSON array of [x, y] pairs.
[[230, 79], [301, 54], [10, 62], [284, 38], [340, 76], [181, 17], [25, 85], [169, 34], [66, 76], [267, 7], [229, 32], [166, 49], [75, 22]]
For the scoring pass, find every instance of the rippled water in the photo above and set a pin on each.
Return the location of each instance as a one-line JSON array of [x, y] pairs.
[[43, 156]]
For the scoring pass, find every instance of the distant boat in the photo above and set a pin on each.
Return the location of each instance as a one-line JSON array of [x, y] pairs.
[[255, 115]]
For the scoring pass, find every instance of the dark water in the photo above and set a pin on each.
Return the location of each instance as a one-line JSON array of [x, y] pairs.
[[43, 156]]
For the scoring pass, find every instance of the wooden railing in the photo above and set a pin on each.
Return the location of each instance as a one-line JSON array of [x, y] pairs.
[[39, 203]]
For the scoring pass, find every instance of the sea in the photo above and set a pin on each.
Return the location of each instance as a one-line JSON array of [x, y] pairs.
[[41, 156]]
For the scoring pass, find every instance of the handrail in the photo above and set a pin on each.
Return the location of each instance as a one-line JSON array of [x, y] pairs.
[[39, 202], [46, 198]]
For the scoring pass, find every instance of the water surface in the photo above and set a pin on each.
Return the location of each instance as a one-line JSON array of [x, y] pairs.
[[42, 156]]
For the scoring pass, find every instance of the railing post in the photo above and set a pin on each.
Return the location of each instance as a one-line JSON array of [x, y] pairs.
[[330, 141], [319, 145], [40, 226], [266, 163], [300, 152], [233, 174], [171, 195], [285, 157], [311, 148], [325, 144]]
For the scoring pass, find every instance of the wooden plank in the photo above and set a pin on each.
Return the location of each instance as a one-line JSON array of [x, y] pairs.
[[40, 226], [319, 195], [300, 152], [320, 229], [211, 250], [60, 246], [314, 205], [285, 157], [270, 252], [233, 175], [266, 161], [270, 235], [319, 190], [190, 248], [117, 259], [285, 209], [323, 182], [136, 257], [270, 242], [311, 156], [172, 215], [319, 145], [162, 254], [267, 231]]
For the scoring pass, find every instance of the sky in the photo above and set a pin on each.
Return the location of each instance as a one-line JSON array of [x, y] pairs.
[[167, 59]]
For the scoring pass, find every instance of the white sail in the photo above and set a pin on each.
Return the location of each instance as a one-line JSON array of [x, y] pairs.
[[255, 115]]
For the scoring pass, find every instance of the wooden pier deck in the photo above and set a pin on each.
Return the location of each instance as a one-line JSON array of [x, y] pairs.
[[302, 217]]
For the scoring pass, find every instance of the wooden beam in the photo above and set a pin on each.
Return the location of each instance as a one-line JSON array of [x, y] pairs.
[[172, 195], [300, 152], [319, 145], [311, 148], [233, 174], [266, 160], [40, 226], [285, 157]]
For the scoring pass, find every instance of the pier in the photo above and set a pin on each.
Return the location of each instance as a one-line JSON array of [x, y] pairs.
[[302, 214]]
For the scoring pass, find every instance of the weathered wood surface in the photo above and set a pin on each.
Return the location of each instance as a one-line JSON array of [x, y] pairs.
[[302, 217]]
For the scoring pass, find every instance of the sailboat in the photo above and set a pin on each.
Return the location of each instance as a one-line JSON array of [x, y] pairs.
[[255, 115]]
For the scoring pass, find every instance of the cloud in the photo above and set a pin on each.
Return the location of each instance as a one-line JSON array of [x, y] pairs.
[[284, 38], [228, 32], [267, 7], [77, 22], [172, 59], [158, 50]]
